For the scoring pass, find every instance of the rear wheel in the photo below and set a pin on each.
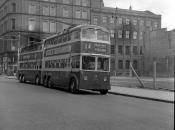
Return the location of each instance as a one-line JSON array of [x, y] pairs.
[[73, 86], [23, 79], [37, 80], [103, 92], [45, 82], [49, 83], [20, 78]]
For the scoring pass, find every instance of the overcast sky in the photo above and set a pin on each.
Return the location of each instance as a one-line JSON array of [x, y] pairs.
[[166, 8]]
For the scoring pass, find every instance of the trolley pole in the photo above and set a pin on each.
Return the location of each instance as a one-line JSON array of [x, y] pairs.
[[154, 74]]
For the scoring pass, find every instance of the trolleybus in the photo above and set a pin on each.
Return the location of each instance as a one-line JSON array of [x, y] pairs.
[[78, 58]]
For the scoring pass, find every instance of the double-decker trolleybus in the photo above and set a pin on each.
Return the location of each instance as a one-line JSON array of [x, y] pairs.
[[78, 58], [30, 63]]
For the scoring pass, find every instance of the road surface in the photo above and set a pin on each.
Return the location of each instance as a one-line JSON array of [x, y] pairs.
[[30, 107]]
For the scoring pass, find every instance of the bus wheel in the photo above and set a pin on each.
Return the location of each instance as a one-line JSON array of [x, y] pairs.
[[103, 92], [37, 80], [45, 82], [20, 78], [73, 86], [49, 83], [23, 79]]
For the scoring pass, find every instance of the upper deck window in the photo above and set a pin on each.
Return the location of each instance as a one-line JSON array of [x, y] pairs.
[[101, 35], [89, 33], [95, 34]]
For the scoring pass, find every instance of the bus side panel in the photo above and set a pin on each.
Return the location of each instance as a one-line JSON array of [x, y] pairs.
[[61, 78]]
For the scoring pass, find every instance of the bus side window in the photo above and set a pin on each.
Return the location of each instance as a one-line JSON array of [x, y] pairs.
[[59, 40]]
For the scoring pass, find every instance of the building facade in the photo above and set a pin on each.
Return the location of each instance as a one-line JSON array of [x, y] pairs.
[[24, 21], [160, 47]]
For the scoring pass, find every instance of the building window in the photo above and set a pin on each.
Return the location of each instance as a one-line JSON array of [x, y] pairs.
[[46, 26], [141, 35], [104, 19], [32, 24], [52, 11], [112, 33], [135, 50], [155, 25], [134, 35], [135, 64], [141, 23], [95, 20], [111, 19], [127, 50], [78, 14], [53, 26], [119, 33], [120, 64], [77, 2], [119, 20], [84, 14], [13, 24], [112, 49], [120, 49], [127, 64], [127, 21], [84, 2], [127, 34], [32, 9], [134, 22], [13, 7], [65, 12], [46, 10]]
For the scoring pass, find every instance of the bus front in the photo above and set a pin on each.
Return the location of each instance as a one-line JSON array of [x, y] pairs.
[[95, 59]]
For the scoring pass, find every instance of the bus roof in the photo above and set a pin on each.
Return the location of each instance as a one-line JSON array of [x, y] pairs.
[[71, 28]]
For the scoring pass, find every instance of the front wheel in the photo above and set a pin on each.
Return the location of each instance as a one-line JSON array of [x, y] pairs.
[[103, 92], [73, 86]]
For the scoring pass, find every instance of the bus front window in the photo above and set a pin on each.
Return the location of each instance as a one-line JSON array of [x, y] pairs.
[[88, 63], [101, 35], [103, 64], [89, 34]]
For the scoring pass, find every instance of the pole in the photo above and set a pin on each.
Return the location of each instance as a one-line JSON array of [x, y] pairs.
[[132, 69], [154, 74]]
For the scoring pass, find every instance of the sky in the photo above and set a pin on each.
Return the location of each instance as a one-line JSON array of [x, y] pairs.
[[165, 8]]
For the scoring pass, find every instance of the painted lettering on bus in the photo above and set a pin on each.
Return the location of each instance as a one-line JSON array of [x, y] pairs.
[[57, 50]]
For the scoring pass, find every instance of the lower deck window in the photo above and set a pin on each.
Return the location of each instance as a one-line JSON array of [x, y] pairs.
[[103, 64], [88, 63]]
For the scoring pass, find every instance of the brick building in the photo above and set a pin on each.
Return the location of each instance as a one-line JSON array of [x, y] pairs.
[[160, 47], [22, 21]]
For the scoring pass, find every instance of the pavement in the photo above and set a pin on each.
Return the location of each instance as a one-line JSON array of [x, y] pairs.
[[143, 93], [156, 95]]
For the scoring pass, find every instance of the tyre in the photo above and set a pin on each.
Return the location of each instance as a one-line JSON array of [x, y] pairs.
[[49, 83], [45, 82], [20, 78], [37, 80], [73, 86], [23, 79], [103, 92]]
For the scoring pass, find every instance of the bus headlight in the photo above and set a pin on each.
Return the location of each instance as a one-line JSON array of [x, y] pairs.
[[85, 78], [105, 78]]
